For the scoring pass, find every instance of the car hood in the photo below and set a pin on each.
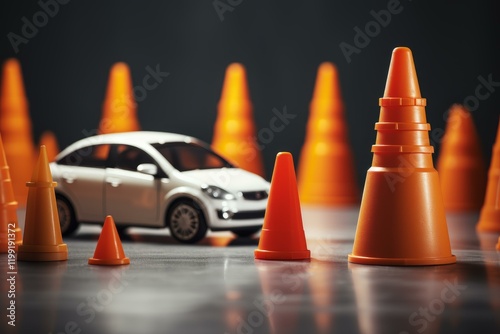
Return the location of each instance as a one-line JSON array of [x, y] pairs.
[[230, 179]]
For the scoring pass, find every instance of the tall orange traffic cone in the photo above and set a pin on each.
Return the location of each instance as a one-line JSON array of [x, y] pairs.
[[109, 250], [49, 140], [326, 169], [15, 126], [489, 220], [234, 131], [461, 166], [119, 111], [9, 228], [282, 236], [42, 232], [402, 219]]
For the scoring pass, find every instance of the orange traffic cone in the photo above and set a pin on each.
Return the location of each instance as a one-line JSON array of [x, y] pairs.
[[42, 233], [10, 232], [402, 219], [119, 112], [234, 131], [109, 250], [282, 236], [15, 126], [461, 166], [49, 140], [489, 220], [326, 170]]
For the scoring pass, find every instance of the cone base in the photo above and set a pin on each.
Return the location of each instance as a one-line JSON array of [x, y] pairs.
[[489, 225], [282, 255], [401, 261], [42, 253], [109, 262]]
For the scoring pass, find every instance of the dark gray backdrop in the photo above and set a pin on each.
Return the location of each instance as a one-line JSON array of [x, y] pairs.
[[280, 42]]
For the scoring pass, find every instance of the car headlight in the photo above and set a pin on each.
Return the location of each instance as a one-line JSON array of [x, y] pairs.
[[217, 193]]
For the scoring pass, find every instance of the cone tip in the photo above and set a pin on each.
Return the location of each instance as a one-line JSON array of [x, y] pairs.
[[235, 85], [402, 80], [327, 86], [119, 67]]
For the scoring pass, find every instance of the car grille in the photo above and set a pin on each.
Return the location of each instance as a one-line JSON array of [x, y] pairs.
[[255, 195]]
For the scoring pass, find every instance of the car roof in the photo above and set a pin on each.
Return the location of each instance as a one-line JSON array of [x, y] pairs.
[[135, 138]]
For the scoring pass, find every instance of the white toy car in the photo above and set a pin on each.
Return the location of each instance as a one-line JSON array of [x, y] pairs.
[[156, 179]]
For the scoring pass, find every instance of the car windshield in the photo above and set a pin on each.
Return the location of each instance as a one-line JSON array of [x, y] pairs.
[[188, 156]]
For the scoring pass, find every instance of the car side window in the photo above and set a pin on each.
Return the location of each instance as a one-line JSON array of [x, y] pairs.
[[89, 156], [129, 157]]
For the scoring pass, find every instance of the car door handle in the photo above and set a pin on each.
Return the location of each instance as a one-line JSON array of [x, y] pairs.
[[113, 181], [68, 178]]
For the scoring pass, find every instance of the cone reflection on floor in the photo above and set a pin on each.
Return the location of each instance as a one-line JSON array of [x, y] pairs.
[[402, 219], [489, 220], [10, 232], [283, 286], [119, 111], [15, 127], [234, 131], [282, 236], [326, 171], [461, 166], [49, 140], [42, 240], [109, 250]]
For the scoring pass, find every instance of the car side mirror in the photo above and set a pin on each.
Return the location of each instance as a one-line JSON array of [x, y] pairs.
[[149, 169]]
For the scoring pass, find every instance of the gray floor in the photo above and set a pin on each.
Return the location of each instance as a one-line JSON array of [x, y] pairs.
[[218, 287]]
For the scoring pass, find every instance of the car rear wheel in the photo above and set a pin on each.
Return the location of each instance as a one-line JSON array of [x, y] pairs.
[[67, 217], [246, 232], [186, 222]]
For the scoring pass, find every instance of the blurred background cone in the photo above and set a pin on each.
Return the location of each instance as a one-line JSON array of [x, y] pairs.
[[326, 170], [402, 219], [461, 166], [234, 131], [49, 140], [119, 110], [15, 127], [8, 207], [109, 250], [42, 240], [282, 236], [489, 220]]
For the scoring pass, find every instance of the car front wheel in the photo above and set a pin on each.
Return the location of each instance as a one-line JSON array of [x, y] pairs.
[[67, 217], [186, 222]]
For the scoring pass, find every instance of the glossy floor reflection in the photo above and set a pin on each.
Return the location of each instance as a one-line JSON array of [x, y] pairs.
[[218, 287]]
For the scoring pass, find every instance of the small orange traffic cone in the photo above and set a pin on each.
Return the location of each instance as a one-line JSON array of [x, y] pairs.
[[234, 131], [10, 232], [402, 219], [461, 166], [49, 140], [42, 232], [15, 126], [119, 111], [282, 236], [489, 220], [326, 170], [109, 250]]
